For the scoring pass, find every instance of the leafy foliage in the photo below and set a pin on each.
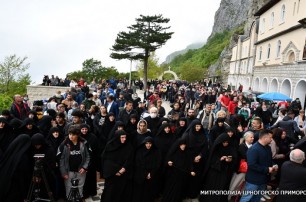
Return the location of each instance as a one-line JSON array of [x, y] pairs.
[[13, 79], [154, 70], [205, 56], [146, 36], [191, 73], [93, 69]]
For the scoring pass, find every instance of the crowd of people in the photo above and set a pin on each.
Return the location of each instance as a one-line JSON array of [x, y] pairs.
[[213, 138]]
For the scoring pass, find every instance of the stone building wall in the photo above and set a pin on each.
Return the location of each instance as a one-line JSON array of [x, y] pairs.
[[43, 92]]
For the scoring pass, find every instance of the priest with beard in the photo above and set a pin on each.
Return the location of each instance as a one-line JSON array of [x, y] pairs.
[[147, 162], [117, 160], [198, 148], [90, 185]]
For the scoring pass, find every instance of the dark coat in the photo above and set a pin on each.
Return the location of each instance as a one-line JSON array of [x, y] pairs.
[[289, 125], [293, 177]]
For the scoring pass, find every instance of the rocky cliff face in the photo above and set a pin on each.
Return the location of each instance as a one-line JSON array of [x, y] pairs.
[[232, 14]]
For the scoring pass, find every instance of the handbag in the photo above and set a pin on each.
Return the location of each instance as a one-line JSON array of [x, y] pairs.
[[243, 166]]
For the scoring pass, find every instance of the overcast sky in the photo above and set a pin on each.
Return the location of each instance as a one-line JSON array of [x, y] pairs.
[[58, 35]]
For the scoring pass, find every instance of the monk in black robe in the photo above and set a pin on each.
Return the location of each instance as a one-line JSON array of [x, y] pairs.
[[117, 160], [147, 162], [179, 168], [219, 169]]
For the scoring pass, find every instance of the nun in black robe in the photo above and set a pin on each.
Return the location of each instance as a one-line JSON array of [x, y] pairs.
[[198, 148], [117, 160], [131, 125], [54, 139], [105, 130], [16, 170], [147, 161], [179, 168], [163, 141], [219, 169], [28, 127], [45, 124], [90, 185], [180, 130], [7, 135], [217, 130]]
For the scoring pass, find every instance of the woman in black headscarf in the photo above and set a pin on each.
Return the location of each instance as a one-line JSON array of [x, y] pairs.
[[219, 169], [54, 139], [16, 170], [28, 127], [179, 168], [198, 148], [90, 185], [105, 130], [45, 124], [163, 140], [217, 130], [179, 131], [147, 162], [117, 160], [131, 125], [6, 135]]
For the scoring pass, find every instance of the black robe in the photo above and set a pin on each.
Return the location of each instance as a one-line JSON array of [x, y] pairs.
[[217, 174], [24, 130], [146, 161], [7, 135], [197, 146], [45, 125], [115, 157], [16, 170], [177, 174], [90, 185]]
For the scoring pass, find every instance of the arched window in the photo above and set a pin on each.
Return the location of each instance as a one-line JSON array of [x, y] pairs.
[[272, 20], [263, 25], [268, 51], [260, 53], [291, 56], [283, 12], [278, 48], [294, 8]]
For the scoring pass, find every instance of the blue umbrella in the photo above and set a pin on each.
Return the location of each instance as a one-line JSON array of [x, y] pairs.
[[274, 96]]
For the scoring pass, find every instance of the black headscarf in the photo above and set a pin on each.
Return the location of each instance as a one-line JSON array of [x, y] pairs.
[[44, 125], [6, 136], [55, 142], [10, 161], [195, 138]]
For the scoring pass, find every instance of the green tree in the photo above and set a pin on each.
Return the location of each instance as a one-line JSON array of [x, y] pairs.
[[147, 35], [154, 70], [12, 68], [13, 79], [191, 73]]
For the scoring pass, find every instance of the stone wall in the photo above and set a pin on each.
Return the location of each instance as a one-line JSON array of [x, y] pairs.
[[43, 92]]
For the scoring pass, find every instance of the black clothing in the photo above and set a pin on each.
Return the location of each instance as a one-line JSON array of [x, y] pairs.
[[152, 124], [24, 130], [147, 161], [15, 170], [6, 136], [178, 173], [117, 155], [217, 174], [75, 158], [293, 178], [44, 125]]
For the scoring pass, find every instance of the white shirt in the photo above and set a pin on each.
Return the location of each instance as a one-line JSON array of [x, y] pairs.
[[109, 106]]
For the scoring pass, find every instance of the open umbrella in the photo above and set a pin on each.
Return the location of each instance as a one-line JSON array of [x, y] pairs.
[[274, 96]]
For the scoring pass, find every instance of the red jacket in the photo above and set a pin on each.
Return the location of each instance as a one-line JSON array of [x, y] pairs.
[[231, 107]]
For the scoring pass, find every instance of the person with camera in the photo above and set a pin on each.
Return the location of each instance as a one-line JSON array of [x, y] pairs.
[[74, 159]]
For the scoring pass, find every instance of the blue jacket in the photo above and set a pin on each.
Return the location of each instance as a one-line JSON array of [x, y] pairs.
[[259, 159]]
